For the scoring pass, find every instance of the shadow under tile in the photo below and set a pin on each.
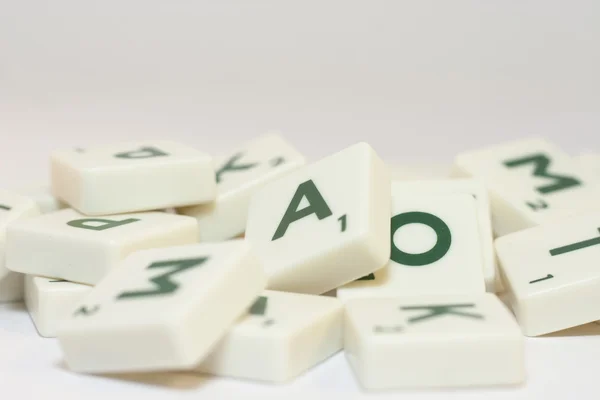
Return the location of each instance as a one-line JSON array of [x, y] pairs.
[[179, 380], [15, 306], [172, 380], [331, 293], [591, 329]]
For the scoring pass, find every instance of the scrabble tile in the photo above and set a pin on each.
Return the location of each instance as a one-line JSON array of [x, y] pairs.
[[551, 273], [325, 224], [436, 247], [433, 341], [11, 287], [49, 301], [590, 162], [419, 172], [131, 177], [530, 181], [478, 191], [77, 248], [13, 207], [239, 175], [43, 197], [282, 336], [162, 309]]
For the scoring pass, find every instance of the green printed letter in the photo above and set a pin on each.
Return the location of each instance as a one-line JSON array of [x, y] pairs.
[[540, 169], [163, 283], [230, 165], [317, 206], [277, 161], [85, 311], [437, 310], [540, 205], [259, 307], [549, 276], [439, 250], [142, 152], [100, 223], [343, 221], [575, 246]]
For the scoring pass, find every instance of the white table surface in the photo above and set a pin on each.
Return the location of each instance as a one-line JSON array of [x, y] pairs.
[[419, 80]]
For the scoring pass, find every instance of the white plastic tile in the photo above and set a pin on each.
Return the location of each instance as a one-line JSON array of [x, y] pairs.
[[590, 162], [433, 341], [436, 248], [418, 172], [530, 182], [552, 275], [50, 301], [130, 177], [13, 207], [71, 246], [162, 309], [11, 287], [325, 224], [43, 197], [477, 189], [282, 336], [239, 175]]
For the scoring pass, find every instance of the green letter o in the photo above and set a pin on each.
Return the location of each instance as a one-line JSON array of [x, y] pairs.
[[439, 250]]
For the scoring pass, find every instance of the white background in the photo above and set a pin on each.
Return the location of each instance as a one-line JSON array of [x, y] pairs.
[[419, 80]]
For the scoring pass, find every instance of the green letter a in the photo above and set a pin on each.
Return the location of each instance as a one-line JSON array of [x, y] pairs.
[[317, 206]]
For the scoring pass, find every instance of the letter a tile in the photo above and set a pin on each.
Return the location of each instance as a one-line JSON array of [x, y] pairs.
[[162, 309], [325, 224]]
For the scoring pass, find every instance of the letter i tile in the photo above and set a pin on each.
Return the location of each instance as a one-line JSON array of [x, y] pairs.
[[552, 275]]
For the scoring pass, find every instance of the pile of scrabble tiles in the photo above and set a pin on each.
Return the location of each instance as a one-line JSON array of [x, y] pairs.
[[258, 265]]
